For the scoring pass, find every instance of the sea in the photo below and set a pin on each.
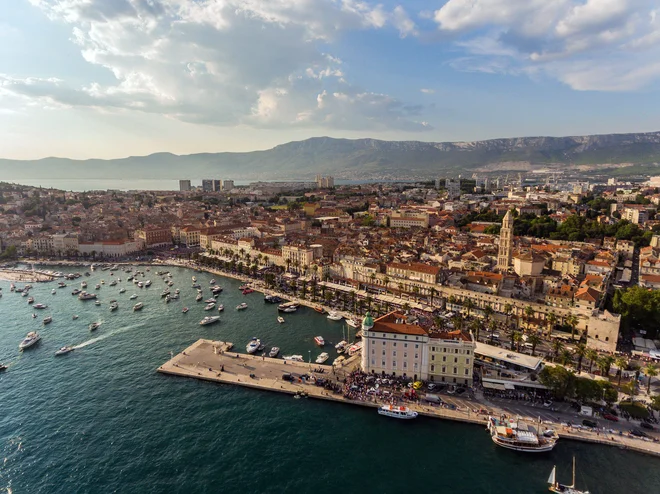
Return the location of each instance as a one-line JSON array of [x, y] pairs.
[[102, 420]]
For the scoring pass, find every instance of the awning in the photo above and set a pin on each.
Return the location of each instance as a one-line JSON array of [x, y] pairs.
[[497, 386], [509, 386]]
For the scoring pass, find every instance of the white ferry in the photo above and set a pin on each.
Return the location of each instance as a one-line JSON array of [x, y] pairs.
[[397, 412], [519, 436]]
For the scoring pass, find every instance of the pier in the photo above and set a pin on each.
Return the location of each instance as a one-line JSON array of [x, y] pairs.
[[217, 361]]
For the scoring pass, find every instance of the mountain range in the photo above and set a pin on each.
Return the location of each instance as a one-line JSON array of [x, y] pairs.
[[364, 159]]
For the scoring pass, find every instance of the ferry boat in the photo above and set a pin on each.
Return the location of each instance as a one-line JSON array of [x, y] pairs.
[[335, 316], [519, 436], [561, 488], [94, 326], [322, 358], [319, 340], [210, 306], [64, 350], [138, 306], [280, 319], [355, 348], [40, 306], [86, 296], [403, 413], [31, 339], [209, 320], [341, 346], [294, 358], [48, 320], [353, 323], [242, 306], [253, 346], [274, 352]]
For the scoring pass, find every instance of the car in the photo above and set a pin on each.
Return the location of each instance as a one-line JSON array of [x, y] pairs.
[[287, 377], [638, 433], [590, 423], [460, 391], [432, 386], [646, 425], [547, 403], [609, 416]]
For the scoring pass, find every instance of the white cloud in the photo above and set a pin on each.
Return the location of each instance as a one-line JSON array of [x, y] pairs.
[[427, 90], [223, 62], [608, 45]]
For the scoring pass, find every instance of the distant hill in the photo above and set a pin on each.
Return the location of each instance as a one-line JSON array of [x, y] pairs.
[[365, 159]]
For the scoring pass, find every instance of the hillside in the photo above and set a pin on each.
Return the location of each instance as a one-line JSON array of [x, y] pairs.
[[362, 159]]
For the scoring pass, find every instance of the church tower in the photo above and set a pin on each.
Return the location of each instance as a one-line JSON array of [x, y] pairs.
[[506, 243]]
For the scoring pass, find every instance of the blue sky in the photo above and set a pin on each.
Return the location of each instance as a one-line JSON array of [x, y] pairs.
[[110, 78]]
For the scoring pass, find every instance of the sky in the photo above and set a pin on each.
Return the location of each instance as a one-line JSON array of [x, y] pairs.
[[113, 78]]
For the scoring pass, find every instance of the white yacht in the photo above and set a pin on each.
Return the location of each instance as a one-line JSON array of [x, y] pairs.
[[242, 306], [322, 358], [140, 284], [64, 350], [94, 326], [294, 358], [48, 320], [353, 323], [221, 307], [133, 297], [274, 352], [122, 290], [319, 340], [253, 346], [97, 302], [138, 306], [210, 306], [335, 316], [341, 346], [147, 283], [280, 319], [198, 297], [397, 412], [209, 320], [53, 291], [31, 339]]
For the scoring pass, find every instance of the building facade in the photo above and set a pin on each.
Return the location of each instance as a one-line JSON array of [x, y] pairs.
[[451, 357], [506, 243]]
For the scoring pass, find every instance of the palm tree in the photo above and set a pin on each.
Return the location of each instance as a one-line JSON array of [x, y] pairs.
[[469, 305], [651, 371], [630, 388], [551, 320], [386, 280], [622, 364], [557, 347], [534, 340], [508, 309], [565, 358], [605, 364], [572, 321], [492, 326], [592, 355], [488, 313], [416, 292], [475, 327], [406, 307], [529, 312], [517, 337], [580, 352]]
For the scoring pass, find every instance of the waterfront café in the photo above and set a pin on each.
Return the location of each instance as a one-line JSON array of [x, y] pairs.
[[503, 369]]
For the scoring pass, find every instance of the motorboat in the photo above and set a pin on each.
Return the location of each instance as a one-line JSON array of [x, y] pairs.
[[170, 283], [177, 291], [519, 436], [294, 358], [24, 294], [30, 300], [216, 290], [61, 284], [209, 301], [122, 290], [74, 317], [221, 308], [353, 323], [341, 346], [147, 283], [40, 306], [140, 284], [322, 358], [31, 339], [113, 283], [97, 287], [280, 319], [102, 282], [319, 340], [76, 291], [133, 297], [242, 306], [194, 279], [138, 306], [64, 350], [48, 320], [561, 488], [185, 310], [198, 297], [174, 296], [196, 285], [209, 320], [274, 352], [114, 306], [288, 307], [86, 296], [212, 282], [97, 302], [397, 412], [94, 326], [253, 346], [335, 316], [272, 299], [130, 278], [354, 348], [83, 284], [3, 367], [248, 291], [53, 291], [319, 309], [210, 306]]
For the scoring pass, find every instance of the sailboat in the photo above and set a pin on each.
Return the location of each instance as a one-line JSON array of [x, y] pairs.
[[564, 489]]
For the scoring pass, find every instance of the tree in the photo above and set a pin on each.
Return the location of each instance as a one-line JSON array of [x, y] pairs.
[[534, 340], [621, 364], [558, 379], [605, 364], [529, 312], [630, 388], [516, 338], [557, 346], [572, 321], [592, 355], [651, 371], [433, 292], [508, 309], [580, 352], [475, 327], [551, 320], [655, 402], [469, 305]]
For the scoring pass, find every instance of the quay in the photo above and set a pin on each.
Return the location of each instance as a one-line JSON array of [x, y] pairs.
[[25, 276], [217, 361]]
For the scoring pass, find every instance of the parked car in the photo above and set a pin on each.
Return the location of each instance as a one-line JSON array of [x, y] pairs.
[[646, 425], [547, 404], [638, 433], [609, 416], [590, 423]]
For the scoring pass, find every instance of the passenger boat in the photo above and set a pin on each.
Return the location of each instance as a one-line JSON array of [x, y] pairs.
[[40, 306], [48, 320], [341, 346], [210, 306], [184, 310], [31, 339], [138, 306], [322, 358], [561, 488], [353, 323], [335, 316], [94, 326], [242, 306], [133, 297], [253, 345], [319, 340], [396, 412], [280, 319], [86, 296], [294, 358], [209, 320], [519, 436], [64, 350]]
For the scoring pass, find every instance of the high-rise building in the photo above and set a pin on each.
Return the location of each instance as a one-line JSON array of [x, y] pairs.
[[184, 185], [325, 182], [506, 243], [227, 185], [453, 187], [217, 185], [207, 185]]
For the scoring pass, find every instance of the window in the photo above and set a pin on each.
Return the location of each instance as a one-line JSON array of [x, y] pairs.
[[373, 351], [415, 366], [467, 352], [405, 364], [383, 335], [405, 354], [416, 346], [455, 350], [394, 344], [467, 361], [417, 355], [466, 372], [383, 353], [433, 349], [607, 338], [394, 353], [394, 363], [455, 370], [405, 337], [444, 369], [444, 350], [405, 345], [432, 357], [373, 361], [383, 343], [432, 368], [382, 363], [455, 360], [444, 359]]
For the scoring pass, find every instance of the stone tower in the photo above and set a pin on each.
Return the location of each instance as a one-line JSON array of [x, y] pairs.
[[506, 243]]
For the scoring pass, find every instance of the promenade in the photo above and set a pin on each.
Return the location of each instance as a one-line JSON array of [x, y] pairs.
[[215, 361]]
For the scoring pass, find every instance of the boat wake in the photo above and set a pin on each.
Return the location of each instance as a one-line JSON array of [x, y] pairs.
[[107, 335]]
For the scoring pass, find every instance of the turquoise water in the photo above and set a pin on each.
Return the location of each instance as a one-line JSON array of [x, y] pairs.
[[102, 420]]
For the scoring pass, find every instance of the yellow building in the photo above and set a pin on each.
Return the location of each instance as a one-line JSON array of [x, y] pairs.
[[451, 357]]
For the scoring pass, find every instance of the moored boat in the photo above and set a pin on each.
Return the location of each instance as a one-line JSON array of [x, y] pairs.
[[184, 310], [138, 306], [221, 307], [30, 300], [353, 323], [354, 348], [210, 306], [94, 326], [319, 309], [397, 412], [274, 352], [40, 306], [209, 320], [114, 306], [31, 339], [294, 358], [253, 345], [48, 320], [86, 296], [335, 316], [341, 346], [322, 358], [319, 340], [133, 297], [247, 291], [520, 436]]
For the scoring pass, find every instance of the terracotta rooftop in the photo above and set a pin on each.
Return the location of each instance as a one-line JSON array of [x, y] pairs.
[[396, 322]]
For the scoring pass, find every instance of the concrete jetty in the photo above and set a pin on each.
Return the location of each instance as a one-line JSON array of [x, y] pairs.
[[217, 361], [25, 276]]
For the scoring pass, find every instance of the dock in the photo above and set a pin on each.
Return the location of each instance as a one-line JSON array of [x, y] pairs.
[[219, 362]]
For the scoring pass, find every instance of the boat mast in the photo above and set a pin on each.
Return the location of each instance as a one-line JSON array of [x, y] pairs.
[[573, 483]]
